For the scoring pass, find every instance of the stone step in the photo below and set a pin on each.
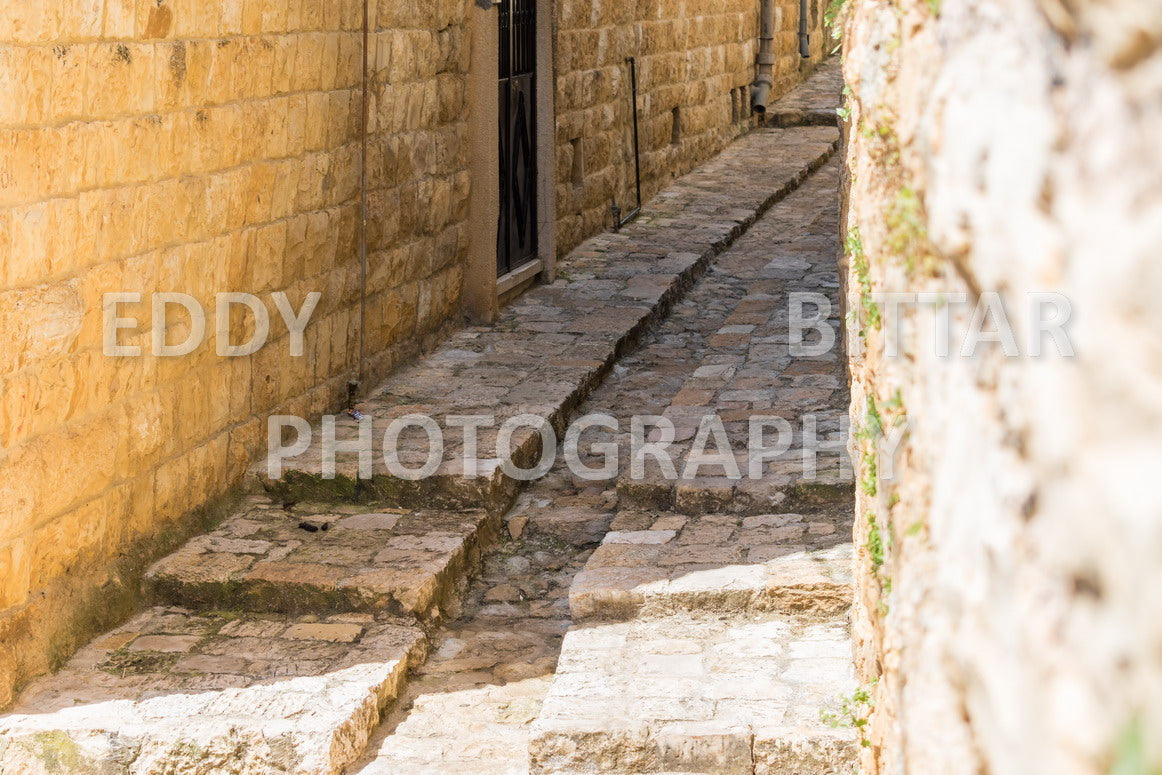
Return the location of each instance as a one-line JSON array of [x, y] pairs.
[[698, 693], [813, 102], [786, 489], [328, 558], [174, 691], [652, 566], [555, 344]]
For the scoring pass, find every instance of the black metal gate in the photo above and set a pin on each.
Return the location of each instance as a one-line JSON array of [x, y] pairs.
[[516, 241]]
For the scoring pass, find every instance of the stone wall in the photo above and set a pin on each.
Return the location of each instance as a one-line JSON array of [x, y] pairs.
[[695, 57], [196, 147], [1008, 614]]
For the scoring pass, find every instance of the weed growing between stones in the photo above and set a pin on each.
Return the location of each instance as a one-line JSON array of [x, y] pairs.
[[870, 317], [875, 543], [1129, 756], [872, 430], [907, 236], [833, 20], [844, 111], [854, 713]]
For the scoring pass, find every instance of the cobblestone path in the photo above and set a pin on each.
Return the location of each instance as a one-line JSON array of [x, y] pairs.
[[474, 707]]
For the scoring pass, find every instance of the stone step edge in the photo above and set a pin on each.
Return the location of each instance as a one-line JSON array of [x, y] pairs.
[[167, 745], [722, 748], [744, 497], [445, 593], [794, 586], [497, 492]]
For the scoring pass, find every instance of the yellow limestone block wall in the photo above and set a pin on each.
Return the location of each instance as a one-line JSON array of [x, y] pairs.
[[696, 56], [1008, 568], [199, 147]]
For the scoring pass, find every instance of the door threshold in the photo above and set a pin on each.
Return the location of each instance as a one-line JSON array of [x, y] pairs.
[[518, 277]]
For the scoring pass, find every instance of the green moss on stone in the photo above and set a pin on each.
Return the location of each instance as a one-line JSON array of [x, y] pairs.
[[58, 752]]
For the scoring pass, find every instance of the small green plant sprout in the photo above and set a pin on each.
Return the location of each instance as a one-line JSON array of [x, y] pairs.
[[873, 419], [854, 713], [844, 112], [1129, 755], [908, 230], [875, 543], [833, 19], [859, 264], [896, 409], [871, 430], [882, 606]]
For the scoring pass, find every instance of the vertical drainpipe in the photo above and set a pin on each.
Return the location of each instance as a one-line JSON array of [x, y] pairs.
[[804, 38], [760, 92]]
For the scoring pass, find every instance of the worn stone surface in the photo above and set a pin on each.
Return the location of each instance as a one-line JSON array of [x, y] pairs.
[[690, 692], [720, 563], [173, 691], [745, 370], [811, 103], [695, 67], [680, 582], [310, 559], [1011, 624], [469, 709]]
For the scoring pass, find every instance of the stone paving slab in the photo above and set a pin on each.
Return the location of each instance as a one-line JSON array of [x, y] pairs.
[[468, 710], [651, 565], [178, 692], [744, 368], [555, 344], [698, 693], [313, 558], [812, 102]]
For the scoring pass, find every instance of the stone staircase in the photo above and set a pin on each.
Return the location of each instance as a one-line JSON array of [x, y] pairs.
[[709, 644], [276, 642]]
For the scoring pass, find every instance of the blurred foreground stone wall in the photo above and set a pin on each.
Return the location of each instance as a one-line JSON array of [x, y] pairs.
[[1008, 619]]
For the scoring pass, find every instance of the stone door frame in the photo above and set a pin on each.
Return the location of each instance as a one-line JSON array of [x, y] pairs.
[[483, 290]]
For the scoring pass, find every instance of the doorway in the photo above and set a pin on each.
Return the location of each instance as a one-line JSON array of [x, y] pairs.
[[516, 239]]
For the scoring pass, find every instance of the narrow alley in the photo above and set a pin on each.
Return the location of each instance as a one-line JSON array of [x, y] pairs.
[[614, 625], [580, 387]]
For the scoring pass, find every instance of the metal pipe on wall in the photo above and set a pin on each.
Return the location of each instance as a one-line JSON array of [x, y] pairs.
[[760, 92], [804, 37]]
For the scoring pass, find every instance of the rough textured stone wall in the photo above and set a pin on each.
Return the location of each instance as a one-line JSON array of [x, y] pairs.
[[1008, 612], [693, 56], [196, 147]]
